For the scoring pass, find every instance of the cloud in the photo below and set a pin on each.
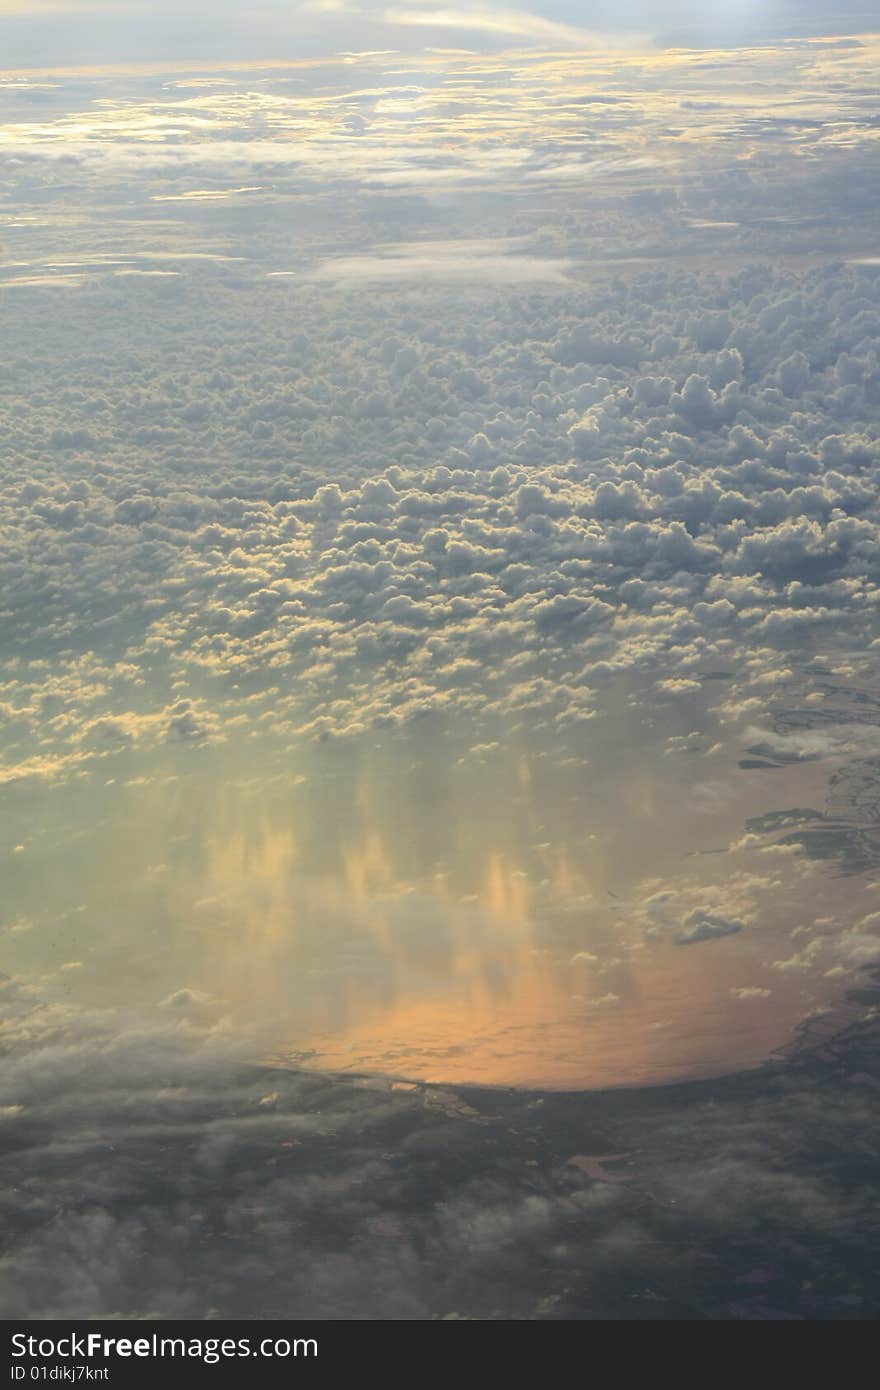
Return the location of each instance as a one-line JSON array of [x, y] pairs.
[[473, 263], [139, 1154], [373, 583], [519, 25], [701, 925]]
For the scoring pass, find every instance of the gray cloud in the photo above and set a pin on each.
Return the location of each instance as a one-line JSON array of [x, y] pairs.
[[147, 1175], [701, 925]]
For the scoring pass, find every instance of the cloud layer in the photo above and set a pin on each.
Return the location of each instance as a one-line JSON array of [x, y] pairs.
[[438, 583]]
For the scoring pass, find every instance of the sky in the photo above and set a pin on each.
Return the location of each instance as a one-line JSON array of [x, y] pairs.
[[438, 613], [41, 32]]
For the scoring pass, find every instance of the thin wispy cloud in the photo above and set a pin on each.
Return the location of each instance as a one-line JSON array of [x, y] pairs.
[[516, 25], [467, 263]]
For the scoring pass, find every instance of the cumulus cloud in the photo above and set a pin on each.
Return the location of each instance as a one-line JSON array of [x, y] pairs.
[[700, 925]]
